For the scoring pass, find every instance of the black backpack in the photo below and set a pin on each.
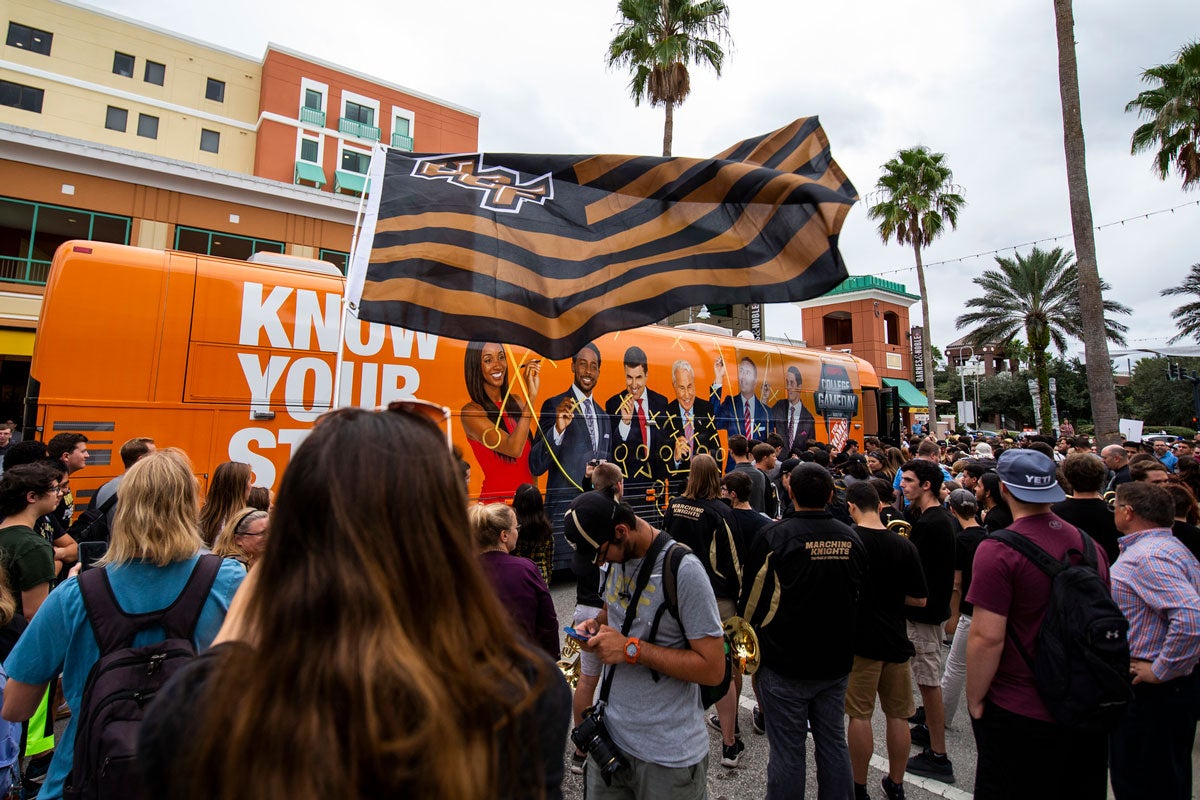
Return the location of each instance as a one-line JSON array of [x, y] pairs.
[[125, 679], [92, 525], [670, 579], [1081, 667]]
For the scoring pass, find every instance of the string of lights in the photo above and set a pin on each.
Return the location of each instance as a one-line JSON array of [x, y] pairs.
[[1014, 247]]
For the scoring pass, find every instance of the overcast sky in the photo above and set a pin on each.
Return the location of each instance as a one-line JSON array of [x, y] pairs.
[[977, 81]]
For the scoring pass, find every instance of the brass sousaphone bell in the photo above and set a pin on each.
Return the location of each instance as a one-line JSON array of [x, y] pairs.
[[900, 526], [743, 645], [568, 661]]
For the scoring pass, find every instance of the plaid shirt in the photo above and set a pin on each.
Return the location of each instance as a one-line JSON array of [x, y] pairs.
[[1156, 582]]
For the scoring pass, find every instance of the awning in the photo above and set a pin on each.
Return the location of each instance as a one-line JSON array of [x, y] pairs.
[[910, 396], [16, 343], [306, 171], [350, 181]]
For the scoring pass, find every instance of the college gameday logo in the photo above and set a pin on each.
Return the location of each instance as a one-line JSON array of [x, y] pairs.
[[502, 188]]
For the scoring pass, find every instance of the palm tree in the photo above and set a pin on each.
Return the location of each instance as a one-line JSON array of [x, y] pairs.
[[1036, 295], [1091, 300], [657, 39], [1187, 316], [918, 199], [1172, 107]]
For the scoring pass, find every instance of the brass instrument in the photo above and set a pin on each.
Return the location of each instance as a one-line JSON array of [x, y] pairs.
[[568, 662], [743, 645], [900, 526], [1110, 497]]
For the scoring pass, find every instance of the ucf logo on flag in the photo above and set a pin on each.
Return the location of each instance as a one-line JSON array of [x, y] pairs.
[[550, 251]]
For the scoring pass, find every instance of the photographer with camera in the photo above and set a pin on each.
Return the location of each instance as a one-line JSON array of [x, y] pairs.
[[645, 735]]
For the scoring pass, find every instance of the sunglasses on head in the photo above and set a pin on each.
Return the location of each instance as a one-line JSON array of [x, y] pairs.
[[437, 414]]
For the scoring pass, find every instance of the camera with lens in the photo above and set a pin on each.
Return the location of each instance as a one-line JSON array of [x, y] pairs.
[[592, 737]]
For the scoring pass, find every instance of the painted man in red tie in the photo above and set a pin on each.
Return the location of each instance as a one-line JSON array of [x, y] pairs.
[[640, 447]]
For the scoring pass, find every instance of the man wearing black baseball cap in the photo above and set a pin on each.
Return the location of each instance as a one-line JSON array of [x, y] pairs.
[[652, 711], [1015, 734]]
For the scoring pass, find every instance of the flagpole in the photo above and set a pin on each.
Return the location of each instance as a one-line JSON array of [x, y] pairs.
[[340, 358]]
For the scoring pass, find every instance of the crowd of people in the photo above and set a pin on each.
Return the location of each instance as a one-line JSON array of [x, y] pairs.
[[361, 646]]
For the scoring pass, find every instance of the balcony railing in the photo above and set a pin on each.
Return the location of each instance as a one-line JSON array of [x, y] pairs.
[[24, 270], [314, 116], [359, 129], [402, 142]]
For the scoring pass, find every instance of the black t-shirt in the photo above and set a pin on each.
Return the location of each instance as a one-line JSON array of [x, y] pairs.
[[933, 534], [1189, 535], [1095, 518], [964, 556], [751, 522], [802, 579], [893, 572], [998, 518]]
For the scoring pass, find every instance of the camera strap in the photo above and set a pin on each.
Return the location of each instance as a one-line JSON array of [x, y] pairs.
[[643, 578]]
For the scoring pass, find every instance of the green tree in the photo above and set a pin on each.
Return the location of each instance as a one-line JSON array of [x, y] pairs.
[[1039, 296], [1171, 107], [918, 199], [1157, 400], [1187, 316], [1091, 297], [658, 39]]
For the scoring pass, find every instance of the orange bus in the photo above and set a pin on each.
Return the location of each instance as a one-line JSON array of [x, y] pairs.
[[235, 360]]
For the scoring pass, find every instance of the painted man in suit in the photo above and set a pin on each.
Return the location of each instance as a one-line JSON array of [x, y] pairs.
[[572, 430], [791, 420], [743, 413], [690, 427], [637, 415]]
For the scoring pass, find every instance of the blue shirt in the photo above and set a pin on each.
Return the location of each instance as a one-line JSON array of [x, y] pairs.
[[60, 638], [1169, 460]]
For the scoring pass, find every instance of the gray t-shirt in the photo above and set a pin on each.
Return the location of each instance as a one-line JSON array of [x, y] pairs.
[[662, 722], [101, 497]]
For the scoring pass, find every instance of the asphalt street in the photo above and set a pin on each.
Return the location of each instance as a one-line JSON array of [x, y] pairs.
[[749, 779]]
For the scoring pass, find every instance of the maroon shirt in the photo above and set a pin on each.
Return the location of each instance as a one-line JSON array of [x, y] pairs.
[[1006, 583], [520, 587]]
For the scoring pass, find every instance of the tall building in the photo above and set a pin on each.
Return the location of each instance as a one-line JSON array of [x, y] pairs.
[[114, 130]]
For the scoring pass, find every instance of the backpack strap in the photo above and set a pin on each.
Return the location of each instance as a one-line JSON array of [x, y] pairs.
[[670, 583], [114, 629], [643, 578]]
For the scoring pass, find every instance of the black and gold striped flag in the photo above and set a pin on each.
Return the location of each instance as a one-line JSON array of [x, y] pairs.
[[551, 251]]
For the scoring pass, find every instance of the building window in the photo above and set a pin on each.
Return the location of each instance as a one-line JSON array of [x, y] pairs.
[[310, 151], [838, 328], [155, 73], [215, 90], [18, 95], [336, 257], [210, 141], [354, 161], [31, 232], [313, 99], [891, 327], [147, 126], [226, 245], [30, 39], [123, 65], [117, 119], [355, 112]]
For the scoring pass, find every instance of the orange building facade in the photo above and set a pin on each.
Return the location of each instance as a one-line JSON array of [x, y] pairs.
[[318, 122]]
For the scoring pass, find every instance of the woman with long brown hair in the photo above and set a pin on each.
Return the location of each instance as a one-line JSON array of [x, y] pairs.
[[537, 536], [368, 656], [229, 491]]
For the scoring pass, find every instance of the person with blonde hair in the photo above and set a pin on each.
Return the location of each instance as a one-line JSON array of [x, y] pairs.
[[517, 581], [244, 536], [229, 491], [367, 655], [154, 549]]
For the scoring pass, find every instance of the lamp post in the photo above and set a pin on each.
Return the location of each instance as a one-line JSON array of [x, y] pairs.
[[962, 377]]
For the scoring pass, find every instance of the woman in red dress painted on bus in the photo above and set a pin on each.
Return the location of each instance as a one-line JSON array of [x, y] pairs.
[[497, 421]]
